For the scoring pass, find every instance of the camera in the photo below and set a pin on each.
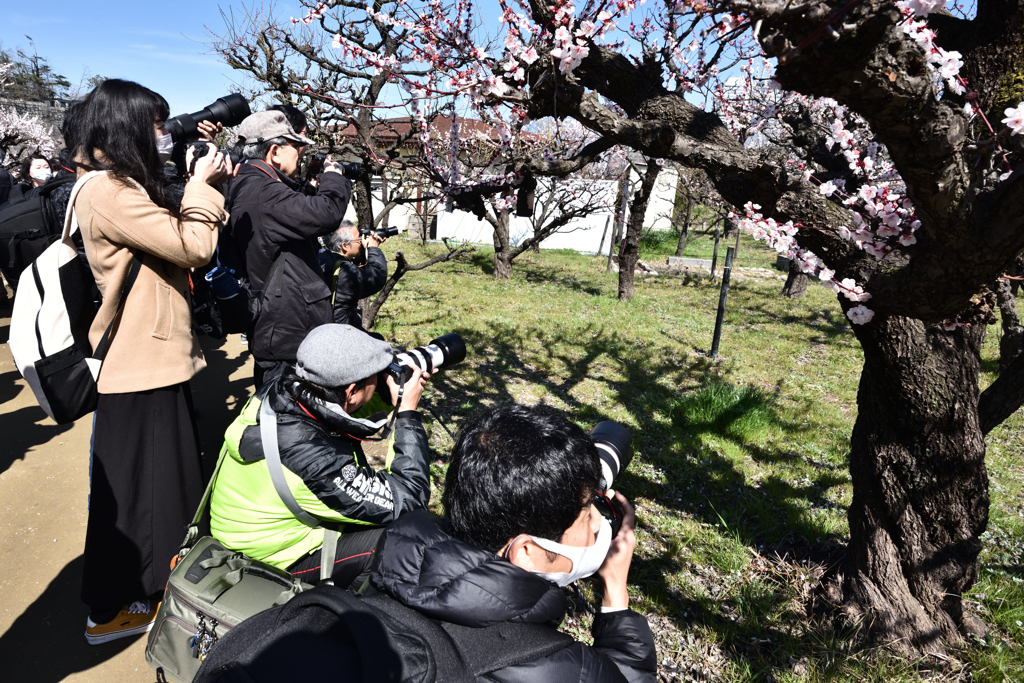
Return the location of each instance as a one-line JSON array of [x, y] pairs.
[[230, 110], [315, 167], [444, 351], [383, 233], [615, 449], [202, 148]]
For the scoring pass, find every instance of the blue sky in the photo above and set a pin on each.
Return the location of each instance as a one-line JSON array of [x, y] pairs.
[[161, 45]]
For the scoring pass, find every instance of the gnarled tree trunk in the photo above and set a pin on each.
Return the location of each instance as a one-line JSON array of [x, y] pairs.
[[920, 488], [629, 251], [796, 282], [502, 248]]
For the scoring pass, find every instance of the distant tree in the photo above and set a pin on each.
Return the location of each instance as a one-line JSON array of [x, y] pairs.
[[31, 77]]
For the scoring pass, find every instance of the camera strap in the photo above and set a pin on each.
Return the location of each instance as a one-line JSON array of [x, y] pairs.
[[390, 426]]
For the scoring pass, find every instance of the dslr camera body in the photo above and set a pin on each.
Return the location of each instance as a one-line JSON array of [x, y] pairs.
[[383, 233]]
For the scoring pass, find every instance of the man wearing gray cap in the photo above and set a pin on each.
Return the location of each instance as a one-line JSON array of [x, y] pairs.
[[335, 374], [271, 238]]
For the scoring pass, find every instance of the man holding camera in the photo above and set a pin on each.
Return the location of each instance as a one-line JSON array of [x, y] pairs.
[[520, 525], [274, 227], [335, 375], [360, 270]]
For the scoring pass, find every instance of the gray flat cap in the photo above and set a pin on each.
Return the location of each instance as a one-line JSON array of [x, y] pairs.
[[267, 125], [335, 355]]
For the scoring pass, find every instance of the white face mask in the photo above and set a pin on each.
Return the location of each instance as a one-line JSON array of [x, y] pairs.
[[585, 561], [164, 146], [41, 176]]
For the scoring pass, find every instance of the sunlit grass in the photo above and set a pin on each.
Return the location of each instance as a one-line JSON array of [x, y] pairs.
[[740, 476]]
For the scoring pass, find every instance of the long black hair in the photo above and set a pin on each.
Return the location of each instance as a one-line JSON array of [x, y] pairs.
[[116, 120]]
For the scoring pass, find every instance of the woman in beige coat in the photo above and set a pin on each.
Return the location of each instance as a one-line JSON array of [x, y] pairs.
[[146, 479]]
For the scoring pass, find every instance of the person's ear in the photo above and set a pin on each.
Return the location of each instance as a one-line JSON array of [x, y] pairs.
[[273, 154], [526, 554]]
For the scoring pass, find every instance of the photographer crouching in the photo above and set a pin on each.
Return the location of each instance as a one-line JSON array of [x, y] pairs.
[[318, 438], [359, 270], [524, 517]]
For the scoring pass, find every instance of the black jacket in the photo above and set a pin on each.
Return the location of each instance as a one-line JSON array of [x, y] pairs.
[[271, 217], [319, 443], [422, 566], [353, 283], [6, 183]]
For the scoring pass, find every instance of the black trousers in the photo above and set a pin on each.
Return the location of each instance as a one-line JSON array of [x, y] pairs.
[[356, 547], [147, 481]]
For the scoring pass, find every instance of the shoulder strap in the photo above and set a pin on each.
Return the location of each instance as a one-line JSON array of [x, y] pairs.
[[268, 436], [192, 535], [70, 220]]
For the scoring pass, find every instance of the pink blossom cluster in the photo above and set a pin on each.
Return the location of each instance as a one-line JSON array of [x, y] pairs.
[[312, 15], [782, 238], [21, 131], [945, 64]]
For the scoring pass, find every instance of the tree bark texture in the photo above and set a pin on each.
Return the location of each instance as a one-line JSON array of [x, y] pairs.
[[1012, 342], [796, 282], [920, 488], [502, 248], [629, 251]]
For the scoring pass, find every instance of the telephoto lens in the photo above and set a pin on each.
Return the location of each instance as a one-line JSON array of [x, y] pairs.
[[229, 110], [615, 449], [351, 170], [444, 351], [383, 233]]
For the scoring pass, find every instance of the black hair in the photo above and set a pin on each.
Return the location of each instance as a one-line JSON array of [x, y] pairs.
[[69, 126], [518, 470], [296, 119], [26, 164], [116, 121]]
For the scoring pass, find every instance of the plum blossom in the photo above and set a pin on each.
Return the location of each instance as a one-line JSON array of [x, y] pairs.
[[1015, 119], [827, 188], [859, 315]]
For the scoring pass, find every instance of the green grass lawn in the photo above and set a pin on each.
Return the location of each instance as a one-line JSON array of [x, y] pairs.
[[740, 476]]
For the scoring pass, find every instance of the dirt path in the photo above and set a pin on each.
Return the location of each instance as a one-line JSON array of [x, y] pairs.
[[44, 482]]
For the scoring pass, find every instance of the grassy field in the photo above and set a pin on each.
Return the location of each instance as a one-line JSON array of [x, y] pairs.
[[740, 476]]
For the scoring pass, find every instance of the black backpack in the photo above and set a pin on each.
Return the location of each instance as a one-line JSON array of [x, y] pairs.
[[327, 631], [29, 223]]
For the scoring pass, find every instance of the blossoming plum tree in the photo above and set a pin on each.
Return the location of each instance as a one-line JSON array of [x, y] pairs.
[[890, 183]]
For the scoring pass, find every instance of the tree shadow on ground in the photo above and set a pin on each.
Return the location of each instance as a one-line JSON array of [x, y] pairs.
[[46, 643], [674, 466], [218, 398], [22, 432]]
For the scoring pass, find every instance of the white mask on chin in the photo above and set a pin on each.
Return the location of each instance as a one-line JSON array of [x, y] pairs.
[[164, 146], [585, 561]]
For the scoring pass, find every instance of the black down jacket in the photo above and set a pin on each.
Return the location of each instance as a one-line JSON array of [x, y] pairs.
[[422, 566], [353, 283], [270, 217]]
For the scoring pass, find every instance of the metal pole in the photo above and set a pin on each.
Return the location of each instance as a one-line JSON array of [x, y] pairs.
[[721, 303], [714, 256], [600, 247]]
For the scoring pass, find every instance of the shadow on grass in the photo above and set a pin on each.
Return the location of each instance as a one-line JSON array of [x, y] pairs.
[[683, 441]]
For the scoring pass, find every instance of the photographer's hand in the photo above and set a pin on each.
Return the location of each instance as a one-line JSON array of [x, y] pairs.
[[330, 167], [208, 130], [615, 570], [412, 392], [372, 240], [212, 168]]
